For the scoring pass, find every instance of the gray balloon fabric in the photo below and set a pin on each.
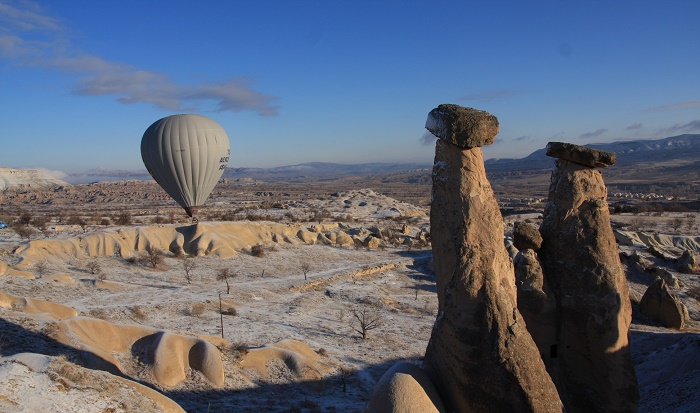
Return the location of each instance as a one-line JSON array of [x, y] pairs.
[[186, 155]]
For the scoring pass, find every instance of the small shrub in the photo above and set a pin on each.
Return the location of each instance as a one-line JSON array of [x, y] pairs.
[[257, 251], [138, 312], [40, 222], [197, 310], [50, 330], [322, 352], [24, 218], [124, 218], [230, 311], [99, 313], [41, 268], [94, 267], [24, 231], [239, 350], [157, 220]]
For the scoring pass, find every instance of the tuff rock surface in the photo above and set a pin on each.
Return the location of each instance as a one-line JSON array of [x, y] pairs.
[[536, 302], [526, 235], [593, 368], [480, 356], [660, 304]]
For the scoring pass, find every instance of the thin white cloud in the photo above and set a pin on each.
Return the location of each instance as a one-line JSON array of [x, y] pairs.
[[522, 138], [29, 37], [593, 134], [691, 126], [634, 126], [691, 104], [491, 95], [26, 15]]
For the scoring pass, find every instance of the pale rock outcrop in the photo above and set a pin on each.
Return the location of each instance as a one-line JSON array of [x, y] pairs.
[[593, 368], [341, 238], [688, 263], [510, 248], [526, 235], [536, 302], [480, 357], [307, 237], [299, 359], [405, 388], [372, 242], [660, 304], [36, 382], [222, 239], [660, 252], [36, 306], [173, 354], [665, 275], [168, 355], [637, 261]]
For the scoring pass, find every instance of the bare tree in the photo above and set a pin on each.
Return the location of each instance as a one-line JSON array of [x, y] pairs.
[[363, 321], [41, 268], [40, 222], [25, 218], [305, 268], [188, 264], [675, 223], [225, 274], [124, 218], [94, 267], [24, 231], [154, 256]]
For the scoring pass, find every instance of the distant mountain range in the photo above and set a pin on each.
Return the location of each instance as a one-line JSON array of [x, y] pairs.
[[667, 150], [637, 158], [320, 171]]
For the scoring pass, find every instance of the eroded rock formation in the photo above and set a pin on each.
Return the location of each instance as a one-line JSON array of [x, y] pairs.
[[663, 306], [480, 356], [592, 368]]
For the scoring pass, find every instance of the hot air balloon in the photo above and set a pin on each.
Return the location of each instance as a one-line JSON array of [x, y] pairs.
[[186, 155]]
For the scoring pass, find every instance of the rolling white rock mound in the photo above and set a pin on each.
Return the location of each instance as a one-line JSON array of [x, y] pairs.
[[27, 179]]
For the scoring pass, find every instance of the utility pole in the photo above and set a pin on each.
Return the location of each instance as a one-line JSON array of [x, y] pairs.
[[221, 315]]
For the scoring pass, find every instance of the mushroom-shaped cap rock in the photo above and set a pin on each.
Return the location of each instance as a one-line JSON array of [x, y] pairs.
[[581, 154], [464, 127]]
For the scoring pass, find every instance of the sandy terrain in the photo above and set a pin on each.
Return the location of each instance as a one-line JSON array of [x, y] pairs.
[[274, 302]]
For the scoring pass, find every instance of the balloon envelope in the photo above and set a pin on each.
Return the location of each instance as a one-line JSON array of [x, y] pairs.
[[186, 155]]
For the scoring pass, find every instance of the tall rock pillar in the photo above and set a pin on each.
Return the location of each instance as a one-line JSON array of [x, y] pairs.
[[592, 367], [480, 356]]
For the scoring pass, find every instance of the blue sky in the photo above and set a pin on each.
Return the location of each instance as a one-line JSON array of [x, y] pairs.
[[339, 81]]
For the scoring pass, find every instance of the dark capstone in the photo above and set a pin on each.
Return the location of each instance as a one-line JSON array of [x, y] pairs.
[[526, 235], [581, 154], [463, 127]]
